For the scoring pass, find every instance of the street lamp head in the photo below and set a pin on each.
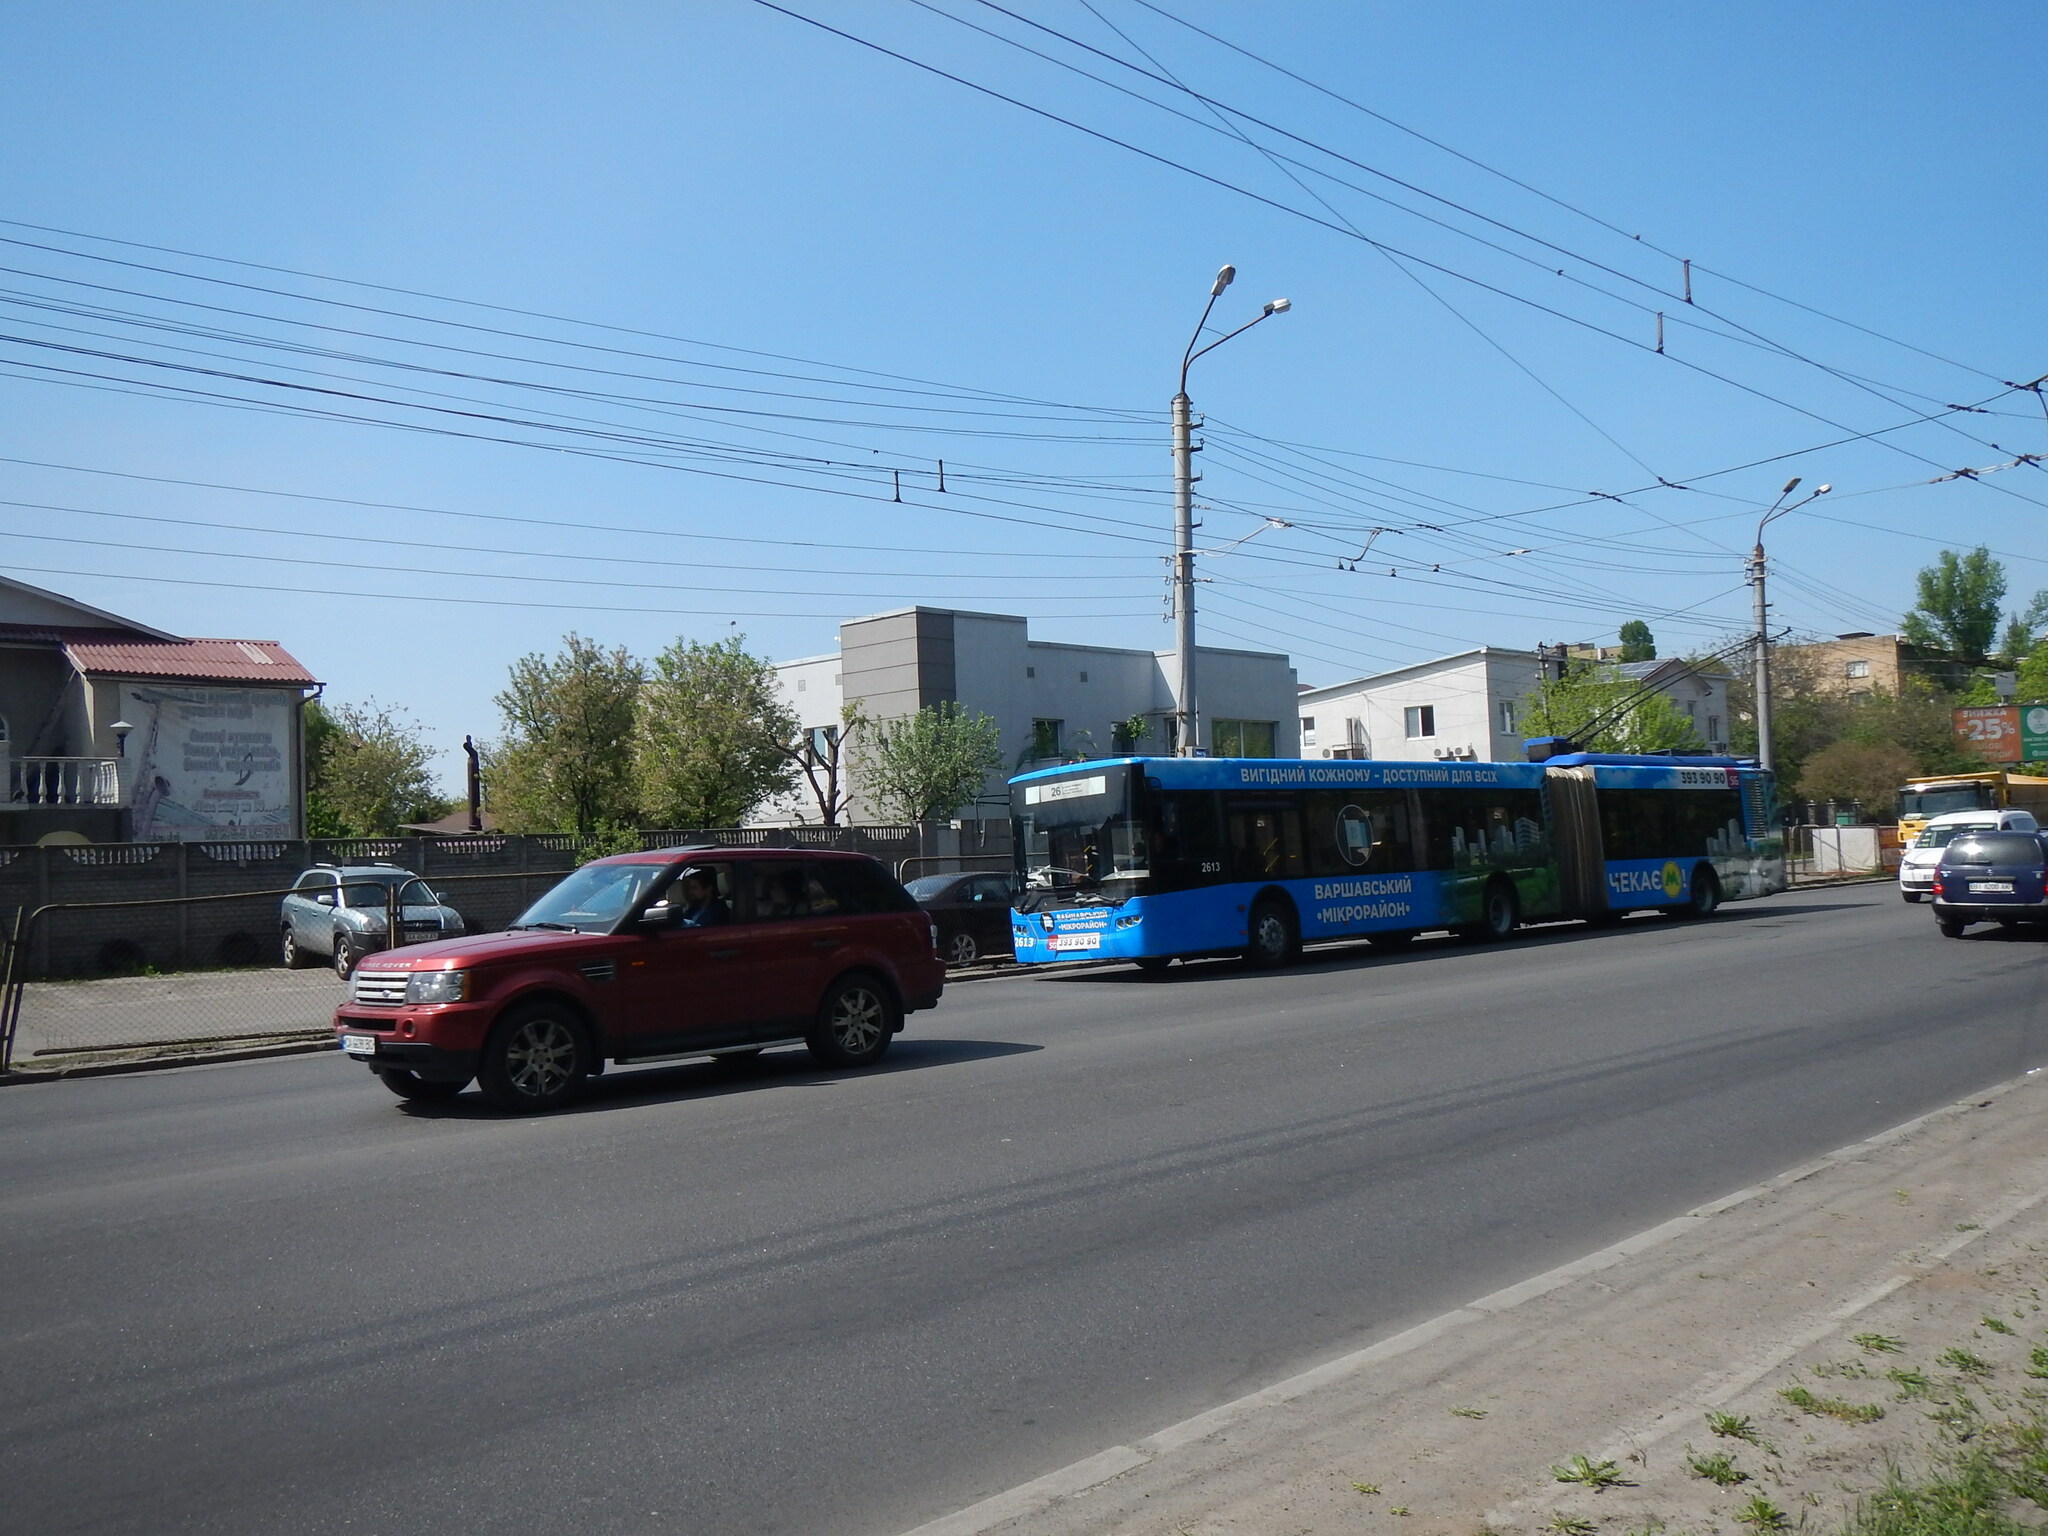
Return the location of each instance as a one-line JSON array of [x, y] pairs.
[[1823, 490], [1224, 279], [1279, 306], [1790, 486]]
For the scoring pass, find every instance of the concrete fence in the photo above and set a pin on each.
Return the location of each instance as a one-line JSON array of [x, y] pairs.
[[180, 932]]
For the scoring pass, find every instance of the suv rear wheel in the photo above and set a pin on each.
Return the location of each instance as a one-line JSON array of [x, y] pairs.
[[855, 1019], [295, 958], [535, 1059]]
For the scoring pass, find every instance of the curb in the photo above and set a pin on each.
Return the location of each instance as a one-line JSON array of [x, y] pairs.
[[14, 1079]]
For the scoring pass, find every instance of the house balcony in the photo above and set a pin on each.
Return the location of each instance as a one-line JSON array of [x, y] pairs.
[[63, 781]]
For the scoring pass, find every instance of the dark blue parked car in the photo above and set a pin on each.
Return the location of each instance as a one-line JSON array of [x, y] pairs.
[[1991, 877]]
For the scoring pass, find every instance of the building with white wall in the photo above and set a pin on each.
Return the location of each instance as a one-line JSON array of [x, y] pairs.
[[1464, 706], [1048, 698], [111, 731], [1469, 706]]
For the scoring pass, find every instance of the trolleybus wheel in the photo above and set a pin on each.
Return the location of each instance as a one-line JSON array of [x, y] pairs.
[[1705, 897], [1270, 936], [1497, 914]]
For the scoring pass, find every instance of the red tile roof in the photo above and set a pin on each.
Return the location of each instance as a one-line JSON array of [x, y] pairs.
[[207, 661]]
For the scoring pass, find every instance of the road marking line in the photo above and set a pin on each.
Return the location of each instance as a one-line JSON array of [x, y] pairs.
[[1078, 1477]]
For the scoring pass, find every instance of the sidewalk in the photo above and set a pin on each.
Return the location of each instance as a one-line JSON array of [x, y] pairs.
[[1912, 1240]]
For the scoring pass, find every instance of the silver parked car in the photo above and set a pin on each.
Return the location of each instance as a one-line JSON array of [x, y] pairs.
[[338, 913]]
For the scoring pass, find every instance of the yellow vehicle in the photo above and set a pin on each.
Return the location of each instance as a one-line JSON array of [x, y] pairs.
[[1994, 790]]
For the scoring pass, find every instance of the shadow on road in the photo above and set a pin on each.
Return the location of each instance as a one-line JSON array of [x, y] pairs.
[[688, 1080]]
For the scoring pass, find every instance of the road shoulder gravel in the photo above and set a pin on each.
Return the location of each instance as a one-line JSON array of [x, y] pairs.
[[1930, 1237]]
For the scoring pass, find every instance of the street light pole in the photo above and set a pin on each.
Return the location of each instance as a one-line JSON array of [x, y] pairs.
[[1186, 713], [1754, 570]]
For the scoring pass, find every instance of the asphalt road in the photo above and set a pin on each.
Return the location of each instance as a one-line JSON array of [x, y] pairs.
[[267, 1297]]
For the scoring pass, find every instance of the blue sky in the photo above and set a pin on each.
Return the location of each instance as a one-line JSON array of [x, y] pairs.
[[719, 176]]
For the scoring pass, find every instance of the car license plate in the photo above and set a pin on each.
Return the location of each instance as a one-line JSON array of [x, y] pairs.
[[1991, 885], [1073, 941], [359, 1045]]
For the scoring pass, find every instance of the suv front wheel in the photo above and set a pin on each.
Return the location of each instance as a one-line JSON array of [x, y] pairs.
[[536, 1058], [855, 1019]]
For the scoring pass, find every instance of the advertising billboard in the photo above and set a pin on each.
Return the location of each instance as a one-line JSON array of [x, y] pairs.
[[2004, 733], [208, 764]]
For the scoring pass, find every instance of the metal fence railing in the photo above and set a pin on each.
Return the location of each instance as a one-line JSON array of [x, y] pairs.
[[249, 997]]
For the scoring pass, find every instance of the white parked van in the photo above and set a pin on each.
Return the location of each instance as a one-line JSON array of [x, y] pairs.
[[1917, 863]]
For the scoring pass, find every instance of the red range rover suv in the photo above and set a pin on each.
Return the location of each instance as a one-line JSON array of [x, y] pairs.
[[683, 952]]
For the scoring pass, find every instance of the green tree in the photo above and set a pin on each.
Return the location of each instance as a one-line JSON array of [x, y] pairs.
[[1867, 772], [566, 763], [2023, 630], [930, 764], [1605, 713], [2033, 675], [1958, 605], [712, 737], [1637, 643], [368, 771]]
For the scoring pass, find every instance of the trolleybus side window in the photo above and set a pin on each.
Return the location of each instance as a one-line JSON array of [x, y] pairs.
[[1187, 844], [1501, 828], [1662, 824], [1354, 831], [1265, 838]]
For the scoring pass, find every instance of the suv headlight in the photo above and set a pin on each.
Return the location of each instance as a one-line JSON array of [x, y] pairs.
[[437, 987]]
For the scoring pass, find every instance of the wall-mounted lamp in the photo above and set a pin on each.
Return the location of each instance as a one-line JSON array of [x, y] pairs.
[[121, 728]]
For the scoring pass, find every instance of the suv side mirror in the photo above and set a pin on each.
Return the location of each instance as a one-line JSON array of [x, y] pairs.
[[656, 916], [325, 898]]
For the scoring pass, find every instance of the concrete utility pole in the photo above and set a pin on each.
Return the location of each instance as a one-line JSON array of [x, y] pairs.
[[1186, 713], [1753, 569]]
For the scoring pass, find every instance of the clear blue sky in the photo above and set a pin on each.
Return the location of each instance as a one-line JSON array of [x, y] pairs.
[[727, 177]]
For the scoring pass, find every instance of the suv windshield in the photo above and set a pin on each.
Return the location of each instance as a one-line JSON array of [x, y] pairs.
[[1995, 848], [1941, 837], [927, 886], [371, 888], [594, 898]]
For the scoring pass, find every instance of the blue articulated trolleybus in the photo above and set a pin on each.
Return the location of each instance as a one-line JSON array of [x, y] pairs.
[[1150, 859]]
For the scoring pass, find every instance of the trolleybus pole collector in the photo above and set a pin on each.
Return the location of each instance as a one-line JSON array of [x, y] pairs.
[[1153, 859]]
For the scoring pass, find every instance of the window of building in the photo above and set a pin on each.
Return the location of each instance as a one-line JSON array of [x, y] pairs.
[[1045, 737], [1084, 677], [1857, 669], [1031, 671], [800, 685], [1242, 738], [1507, 717], [1418, 721], [1713, 727], [823, 739], [1308, 725]]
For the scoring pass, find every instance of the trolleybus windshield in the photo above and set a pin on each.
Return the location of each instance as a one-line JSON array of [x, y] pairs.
[[1080, 835]]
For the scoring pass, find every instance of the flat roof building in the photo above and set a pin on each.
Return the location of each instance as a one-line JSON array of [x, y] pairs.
[[1051, 700]]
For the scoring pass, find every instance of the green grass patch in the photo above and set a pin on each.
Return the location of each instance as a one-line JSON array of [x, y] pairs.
[[1735, 1426], [1879, 1343], [1962, 1360], [1590, 1474], [1831, 1407], [1718, 1468]]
